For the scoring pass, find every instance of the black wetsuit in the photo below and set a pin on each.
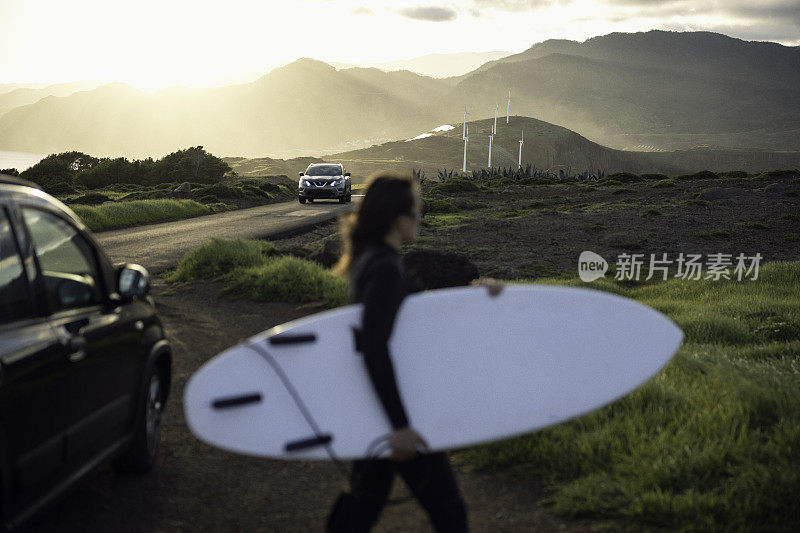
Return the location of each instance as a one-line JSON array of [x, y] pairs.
[[378, 281]]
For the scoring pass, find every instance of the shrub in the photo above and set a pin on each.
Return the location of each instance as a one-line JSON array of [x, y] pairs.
[[454, 185], [121, 214], [220, 256], [288, 279], [702, 175], [92, 198], [622, 177], [441, 206]]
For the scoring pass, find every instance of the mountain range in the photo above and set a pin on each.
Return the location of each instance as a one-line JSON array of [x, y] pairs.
[[666, 90]]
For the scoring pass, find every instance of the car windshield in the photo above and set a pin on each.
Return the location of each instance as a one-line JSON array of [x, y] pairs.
[[324, 170]]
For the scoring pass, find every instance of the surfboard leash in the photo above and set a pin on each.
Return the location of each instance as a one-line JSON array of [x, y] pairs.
[[375, 448], [320, 438]]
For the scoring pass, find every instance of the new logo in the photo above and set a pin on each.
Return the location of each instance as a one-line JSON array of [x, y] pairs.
[[591, 266]]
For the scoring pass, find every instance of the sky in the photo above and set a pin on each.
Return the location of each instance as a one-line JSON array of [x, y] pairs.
[[153, 44]]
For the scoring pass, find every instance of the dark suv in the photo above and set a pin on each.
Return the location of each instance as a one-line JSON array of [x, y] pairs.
[[324, 180], [85, 368]]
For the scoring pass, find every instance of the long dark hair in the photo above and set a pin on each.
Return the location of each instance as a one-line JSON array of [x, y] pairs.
[[389, 194]]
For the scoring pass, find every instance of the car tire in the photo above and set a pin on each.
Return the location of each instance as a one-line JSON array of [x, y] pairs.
[[141, 456], [302, 200], [342, 199], [349, 197]]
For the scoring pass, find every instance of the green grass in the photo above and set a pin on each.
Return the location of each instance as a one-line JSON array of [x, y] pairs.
[[288, 279], [710, 443], [441, 206], [712, 234], [220, 256], [650, 213], [664, 183], [446, 220], [123, 214], [256, 270], [512, 213], [756, 225]]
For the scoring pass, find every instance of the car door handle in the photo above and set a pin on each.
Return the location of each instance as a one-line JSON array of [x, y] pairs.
[[77, 348]]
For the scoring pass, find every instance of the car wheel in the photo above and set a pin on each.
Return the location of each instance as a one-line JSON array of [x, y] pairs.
[[349, 197], [141, 456], [302, 200], [342, 199]]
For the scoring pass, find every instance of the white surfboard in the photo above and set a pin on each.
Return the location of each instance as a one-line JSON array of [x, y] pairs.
[[470, 369]]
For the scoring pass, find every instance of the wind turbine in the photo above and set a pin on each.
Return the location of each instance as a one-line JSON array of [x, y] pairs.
[[508, 106], [522, 140], [464, 124], [491, 138], [491, 135], [466, 140]]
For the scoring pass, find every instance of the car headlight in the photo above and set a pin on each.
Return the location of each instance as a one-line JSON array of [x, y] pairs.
[[307, 183]]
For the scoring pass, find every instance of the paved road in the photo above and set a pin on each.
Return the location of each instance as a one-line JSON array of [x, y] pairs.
[[161, 246]]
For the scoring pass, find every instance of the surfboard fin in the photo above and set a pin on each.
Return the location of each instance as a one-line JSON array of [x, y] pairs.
[[292, 339], [297, 445], [235, 401]]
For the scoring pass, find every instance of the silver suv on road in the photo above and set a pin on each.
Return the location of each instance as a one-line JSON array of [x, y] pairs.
[[324, 181]]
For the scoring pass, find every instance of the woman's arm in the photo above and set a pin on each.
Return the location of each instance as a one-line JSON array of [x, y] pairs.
[[381, 298]]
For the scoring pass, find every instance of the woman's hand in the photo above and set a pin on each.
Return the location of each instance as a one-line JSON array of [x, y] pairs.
[[406, 443], [493, 286]]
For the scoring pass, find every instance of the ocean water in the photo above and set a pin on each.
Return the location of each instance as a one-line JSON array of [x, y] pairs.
[[19, 160]]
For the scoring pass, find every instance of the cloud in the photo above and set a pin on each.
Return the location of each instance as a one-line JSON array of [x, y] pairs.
[[519, 5], [362, 11], [430, 14]]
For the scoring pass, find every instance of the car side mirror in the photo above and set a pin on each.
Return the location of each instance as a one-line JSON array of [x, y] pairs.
[[300, 173], [74, 291], [133, 281], [347, 174]]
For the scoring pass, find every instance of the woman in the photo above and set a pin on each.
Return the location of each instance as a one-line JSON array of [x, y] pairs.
[[387, 218]]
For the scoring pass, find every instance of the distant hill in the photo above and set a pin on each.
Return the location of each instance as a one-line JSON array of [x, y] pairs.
[[548, 147], [654, 83], [21, 95], [664, 90], [435, 65], [303, 108]]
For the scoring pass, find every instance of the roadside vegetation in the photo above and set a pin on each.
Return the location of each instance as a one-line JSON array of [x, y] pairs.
[[260, 272], [123, 214], [114, 193], [710, 443]]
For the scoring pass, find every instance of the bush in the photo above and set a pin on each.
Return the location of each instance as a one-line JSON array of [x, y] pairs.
[[288, 279], [122, 214], [441, 206], [703, 175], [622, 177], [92, 198], [220, 256], [454, 185]]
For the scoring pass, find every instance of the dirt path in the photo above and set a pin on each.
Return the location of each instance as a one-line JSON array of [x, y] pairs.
[[195, 487]]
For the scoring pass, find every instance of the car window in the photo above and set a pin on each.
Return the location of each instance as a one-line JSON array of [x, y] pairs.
[[324, 170], [66, 260], [15, 301]]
